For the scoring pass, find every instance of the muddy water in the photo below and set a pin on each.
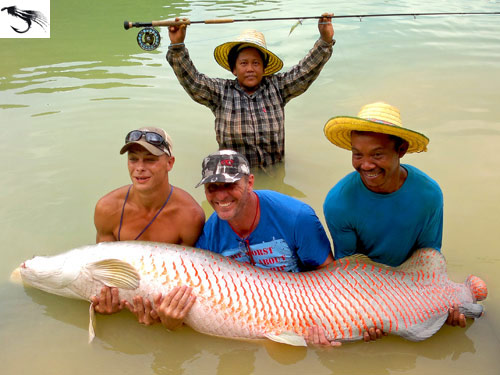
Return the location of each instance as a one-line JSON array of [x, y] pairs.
[[67, 102]]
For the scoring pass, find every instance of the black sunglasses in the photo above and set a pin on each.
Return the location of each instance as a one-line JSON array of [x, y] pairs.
[[152, 138]]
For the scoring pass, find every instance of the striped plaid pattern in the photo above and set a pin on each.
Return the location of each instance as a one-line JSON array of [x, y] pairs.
[[252, 125]]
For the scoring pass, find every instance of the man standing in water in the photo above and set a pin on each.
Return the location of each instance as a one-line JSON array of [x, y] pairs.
[[264, 228], [150, 209], [385, 210], [249, 110]]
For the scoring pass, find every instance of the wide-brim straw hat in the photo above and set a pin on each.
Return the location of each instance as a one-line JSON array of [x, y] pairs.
[[376, 117], [248, 38]]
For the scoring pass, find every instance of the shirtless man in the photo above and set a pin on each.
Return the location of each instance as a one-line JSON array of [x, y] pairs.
[[150, 209]]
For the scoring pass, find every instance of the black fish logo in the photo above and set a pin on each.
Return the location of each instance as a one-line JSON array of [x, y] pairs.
[[28, 16]]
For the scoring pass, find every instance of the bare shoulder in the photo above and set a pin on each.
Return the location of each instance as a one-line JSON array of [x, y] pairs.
[[111, 202], [190, 217], [107, 214], [188, 205]]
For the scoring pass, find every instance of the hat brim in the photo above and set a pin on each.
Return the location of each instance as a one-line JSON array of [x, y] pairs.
[[221, 54], [338, 131], [149, 147], [221, 178]]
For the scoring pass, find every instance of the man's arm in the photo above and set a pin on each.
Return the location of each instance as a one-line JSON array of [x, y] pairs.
[[344, 237], [103, 225], [313, 246], [431, 234], [108, 301], [193, 225], [199, 87], [298, 79]]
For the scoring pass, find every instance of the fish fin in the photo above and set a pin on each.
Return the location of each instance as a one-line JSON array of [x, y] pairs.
[[422, 331], [477, 288], [358, 258], [289, 338], [471, 310], [426, 259], [91, 323], [115, 273]]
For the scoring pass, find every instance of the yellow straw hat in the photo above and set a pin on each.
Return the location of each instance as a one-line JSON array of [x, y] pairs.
[[248, 38], [378, 118]]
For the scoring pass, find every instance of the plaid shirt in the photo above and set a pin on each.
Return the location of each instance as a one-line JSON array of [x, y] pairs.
[[252, 125]]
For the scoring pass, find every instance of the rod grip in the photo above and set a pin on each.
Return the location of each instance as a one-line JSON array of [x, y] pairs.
[[170, 23], [219, 20]]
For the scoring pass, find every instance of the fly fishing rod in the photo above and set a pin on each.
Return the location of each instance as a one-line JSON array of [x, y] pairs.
[[149, 38]]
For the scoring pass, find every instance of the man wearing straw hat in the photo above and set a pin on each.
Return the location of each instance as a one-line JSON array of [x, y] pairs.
[[385, 210], [249, 110]]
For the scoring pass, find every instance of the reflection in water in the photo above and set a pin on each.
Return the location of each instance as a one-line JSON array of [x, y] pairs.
[[67, 101], [395, 354]]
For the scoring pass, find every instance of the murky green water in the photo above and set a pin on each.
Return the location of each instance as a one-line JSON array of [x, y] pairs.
[[67, 102]]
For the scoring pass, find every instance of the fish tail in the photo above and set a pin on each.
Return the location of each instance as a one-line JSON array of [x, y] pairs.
[[477, 287]]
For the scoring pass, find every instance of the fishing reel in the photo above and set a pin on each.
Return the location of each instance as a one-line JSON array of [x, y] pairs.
[[148, 39]]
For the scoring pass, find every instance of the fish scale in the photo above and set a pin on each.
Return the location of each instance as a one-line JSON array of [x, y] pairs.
[[238, 300]]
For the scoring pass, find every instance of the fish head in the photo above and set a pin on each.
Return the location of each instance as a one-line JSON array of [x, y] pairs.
[[52, 274]]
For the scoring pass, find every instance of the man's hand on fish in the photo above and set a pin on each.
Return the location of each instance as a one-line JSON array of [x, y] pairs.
[[373, 334], [455, 318], [108, 302], [316, 337], [173, 308], [143, 310]]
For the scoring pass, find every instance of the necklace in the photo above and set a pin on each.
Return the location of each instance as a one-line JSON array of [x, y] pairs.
[[245, 240], [153, 219]]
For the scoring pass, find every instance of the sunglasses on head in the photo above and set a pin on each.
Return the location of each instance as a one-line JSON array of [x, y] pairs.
[[152, 138]]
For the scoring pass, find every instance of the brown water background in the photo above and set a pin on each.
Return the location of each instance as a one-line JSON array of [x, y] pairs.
[[67, 102]]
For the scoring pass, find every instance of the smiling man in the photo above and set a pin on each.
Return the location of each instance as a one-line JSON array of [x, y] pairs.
[[249, 110], [385, 209], [150, 209], [262, 227]]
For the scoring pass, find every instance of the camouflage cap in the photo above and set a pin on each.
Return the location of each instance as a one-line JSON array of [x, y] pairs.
[[223, 166]]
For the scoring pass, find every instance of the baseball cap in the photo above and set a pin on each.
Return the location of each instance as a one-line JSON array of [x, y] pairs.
[[155, 140], [223, 166]]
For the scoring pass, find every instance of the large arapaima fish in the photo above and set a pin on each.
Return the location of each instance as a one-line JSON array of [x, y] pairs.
[[238, 300]]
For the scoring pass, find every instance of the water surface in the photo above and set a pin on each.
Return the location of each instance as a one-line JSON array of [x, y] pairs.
[[67, 102]]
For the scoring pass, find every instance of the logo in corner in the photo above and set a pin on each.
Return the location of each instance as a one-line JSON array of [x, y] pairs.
[[25, 22]]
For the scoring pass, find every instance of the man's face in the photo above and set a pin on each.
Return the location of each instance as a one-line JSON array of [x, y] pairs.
[[249, 69], [229, 199], [147, 171], [376, 160]]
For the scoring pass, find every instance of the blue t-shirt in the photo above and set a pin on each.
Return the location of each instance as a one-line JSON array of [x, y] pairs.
[[385, 227], [288, 237]]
